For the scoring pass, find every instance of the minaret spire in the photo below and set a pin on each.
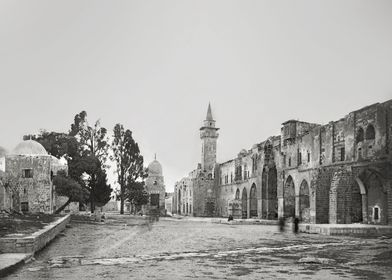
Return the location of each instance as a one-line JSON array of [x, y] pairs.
[[209, 136], [209, 113]]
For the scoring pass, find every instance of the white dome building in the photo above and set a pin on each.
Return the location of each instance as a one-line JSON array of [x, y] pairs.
[[155, 187], [30, 148], [34, 169]]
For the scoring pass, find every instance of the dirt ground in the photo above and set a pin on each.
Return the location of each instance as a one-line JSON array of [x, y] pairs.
[[126, 247]]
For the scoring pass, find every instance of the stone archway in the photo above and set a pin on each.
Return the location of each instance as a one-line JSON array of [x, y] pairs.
[[269, 186], [289, 198], [376, 200], [345, 199], [304, 202], [244, 204], [253, 202], [356, 208]]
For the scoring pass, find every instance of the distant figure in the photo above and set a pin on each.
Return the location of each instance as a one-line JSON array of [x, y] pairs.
[[281, 224], [295, 225], [230, 218]]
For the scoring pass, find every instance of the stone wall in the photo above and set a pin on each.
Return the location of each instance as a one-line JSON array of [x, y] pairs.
[[36, 192], [36, 241]]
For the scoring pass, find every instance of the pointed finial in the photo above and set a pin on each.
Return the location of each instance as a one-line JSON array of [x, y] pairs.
[[155, 156], [209, 113]]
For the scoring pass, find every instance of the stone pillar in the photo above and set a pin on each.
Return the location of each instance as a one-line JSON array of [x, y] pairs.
[[364, 208], [280, 207], [297, 205], [266, 192], [248, 207]]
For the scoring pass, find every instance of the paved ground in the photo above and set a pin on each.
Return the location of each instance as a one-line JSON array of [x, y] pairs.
[[126, 248]]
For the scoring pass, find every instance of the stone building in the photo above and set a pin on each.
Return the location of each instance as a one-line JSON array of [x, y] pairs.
[[27, 175], [340, 172], [169, 203], [155, 187]]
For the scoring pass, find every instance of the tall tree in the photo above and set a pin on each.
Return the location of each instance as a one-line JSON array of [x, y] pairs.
[[129, 161], [94, 148]]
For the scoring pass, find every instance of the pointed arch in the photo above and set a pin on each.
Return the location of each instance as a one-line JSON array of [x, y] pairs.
[[289, 197], [304, 202], [360, 135], [237, 194], [244, 199], [370, 132], [269, 199], [376, 200]]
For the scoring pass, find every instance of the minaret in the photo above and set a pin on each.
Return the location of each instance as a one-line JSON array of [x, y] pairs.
[[209, 136]]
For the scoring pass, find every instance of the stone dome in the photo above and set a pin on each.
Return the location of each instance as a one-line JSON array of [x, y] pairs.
[[3, 152], [30, 147], [155, 168]]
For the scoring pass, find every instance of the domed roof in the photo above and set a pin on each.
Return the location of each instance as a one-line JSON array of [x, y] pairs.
[[155, 168], [30, 147], [3, 152]]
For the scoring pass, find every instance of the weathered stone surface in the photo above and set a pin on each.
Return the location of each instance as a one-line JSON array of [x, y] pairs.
[[340, 172]]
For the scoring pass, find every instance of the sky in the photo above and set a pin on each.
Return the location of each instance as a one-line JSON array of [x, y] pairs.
[[154, 66]]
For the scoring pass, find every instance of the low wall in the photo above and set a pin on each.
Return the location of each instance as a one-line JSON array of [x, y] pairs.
[[361, 230], [36, 241]]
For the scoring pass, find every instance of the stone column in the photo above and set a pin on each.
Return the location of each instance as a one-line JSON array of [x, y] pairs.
[[280, 207], [248, 207], [266, 192], [297, 205], [364, 208]]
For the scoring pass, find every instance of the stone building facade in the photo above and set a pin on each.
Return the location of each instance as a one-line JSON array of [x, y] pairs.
[[26, 183], [340, 172]]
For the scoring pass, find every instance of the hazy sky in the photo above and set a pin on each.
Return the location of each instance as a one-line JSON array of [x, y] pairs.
[[154, 66]]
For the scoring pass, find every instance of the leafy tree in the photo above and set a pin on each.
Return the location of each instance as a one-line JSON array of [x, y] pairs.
[[63, 145], [129, 161], [92, 139], [92, 154], [57, 144], [86, 150], [101, 193], [66, 186]]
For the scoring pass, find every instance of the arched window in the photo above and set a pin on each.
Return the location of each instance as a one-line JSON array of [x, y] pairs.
[[370, 133], [237, 194], [359, 135]]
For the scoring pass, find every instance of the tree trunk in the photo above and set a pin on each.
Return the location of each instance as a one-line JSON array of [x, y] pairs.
[[92, 194], [62, 207], [122, 200]]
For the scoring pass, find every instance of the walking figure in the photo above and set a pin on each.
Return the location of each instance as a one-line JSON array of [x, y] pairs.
[[296, 225], [281, 224]]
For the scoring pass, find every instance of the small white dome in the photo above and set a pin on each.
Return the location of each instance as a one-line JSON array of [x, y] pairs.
[[30, 147], [155, 168]]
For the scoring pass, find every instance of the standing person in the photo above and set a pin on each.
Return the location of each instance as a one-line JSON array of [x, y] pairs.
[[296, 225], [281, 224]]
